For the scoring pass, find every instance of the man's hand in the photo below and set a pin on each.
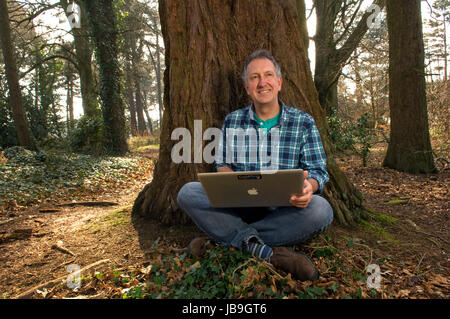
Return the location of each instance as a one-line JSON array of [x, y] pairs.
[[310, 186]]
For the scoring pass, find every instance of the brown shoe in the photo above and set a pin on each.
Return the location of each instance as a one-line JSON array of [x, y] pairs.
[[199, 246], [299, 265]]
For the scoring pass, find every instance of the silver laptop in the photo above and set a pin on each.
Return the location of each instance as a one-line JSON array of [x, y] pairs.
[[252, 189]]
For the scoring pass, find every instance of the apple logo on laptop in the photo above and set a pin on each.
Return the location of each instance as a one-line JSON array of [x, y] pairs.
[[253, 191]]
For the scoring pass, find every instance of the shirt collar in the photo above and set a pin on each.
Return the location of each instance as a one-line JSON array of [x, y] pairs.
[[283, 117]]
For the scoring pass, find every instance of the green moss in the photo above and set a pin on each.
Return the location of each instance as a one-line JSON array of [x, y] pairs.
[[397, 201], [385, 219], [116, 218], [148, 147], [378, 231]]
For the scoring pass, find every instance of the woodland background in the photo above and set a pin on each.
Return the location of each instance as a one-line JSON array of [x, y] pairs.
[[91, 90]]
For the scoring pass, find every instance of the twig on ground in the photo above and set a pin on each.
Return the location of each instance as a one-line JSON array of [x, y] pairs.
[[64, 264], [432, 235], [420, 261], [59, 246], [3, 222], [27, 294], [178, 250]]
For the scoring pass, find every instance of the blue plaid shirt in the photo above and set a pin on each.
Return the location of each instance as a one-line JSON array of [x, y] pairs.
[[293, 143]]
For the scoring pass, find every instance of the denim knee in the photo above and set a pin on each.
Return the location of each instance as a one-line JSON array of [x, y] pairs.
[[323, 212], [185, 194]]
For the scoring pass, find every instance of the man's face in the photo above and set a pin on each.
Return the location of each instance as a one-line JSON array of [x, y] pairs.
[[262, 84]]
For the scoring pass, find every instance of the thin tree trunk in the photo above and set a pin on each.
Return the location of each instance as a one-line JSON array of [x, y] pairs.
[[130, 98], [139, 108], [69, 100], [83, 54], [15, 96], [135, 55], [329, 59], [445, 49], [157, 66], [409, 147], [149, 119], [206, 45], [102, 18], [158, 75]]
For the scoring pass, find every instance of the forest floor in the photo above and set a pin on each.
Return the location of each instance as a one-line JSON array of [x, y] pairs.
[[405, 241]]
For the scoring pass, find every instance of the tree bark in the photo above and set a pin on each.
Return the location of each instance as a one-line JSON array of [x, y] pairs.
[[302, 22], [102, 19], [15, 96], [207, 43], [409, 147]]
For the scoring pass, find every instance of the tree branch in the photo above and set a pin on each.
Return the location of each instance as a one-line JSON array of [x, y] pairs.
[[36, 14], [347, 27], [22, 75], [350, 45]]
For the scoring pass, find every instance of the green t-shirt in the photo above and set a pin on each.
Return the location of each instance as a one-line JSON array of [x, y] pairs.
[[269, 123]]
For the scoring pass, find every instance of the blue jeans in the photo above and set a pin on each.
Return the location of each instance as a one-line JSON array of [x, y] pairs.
[[277, 226]]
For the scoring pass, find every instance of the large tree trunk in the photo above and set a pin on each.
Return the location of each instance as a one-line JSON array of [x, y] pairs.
[[15, 96], [409, 147], [207, 43], [102, 19]]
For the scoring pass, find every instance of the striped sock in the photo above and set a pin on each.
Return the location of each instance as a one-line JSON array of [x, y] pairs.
[[260, 250]]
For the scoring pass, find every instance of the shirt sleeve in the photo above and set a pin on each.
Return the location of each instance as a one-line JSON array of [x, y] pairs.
[[313, 158]]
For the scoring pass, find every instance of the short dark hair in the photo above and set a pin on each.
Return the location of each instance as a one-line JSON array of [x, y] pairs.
[[260, 54]]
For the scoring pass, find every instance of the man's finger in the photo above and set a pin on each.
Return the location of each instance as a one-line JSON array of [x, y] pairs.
[[298, 197]]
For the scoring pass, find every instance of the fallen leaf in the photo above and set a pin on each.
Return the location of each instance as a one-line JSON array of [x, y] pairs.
[[403, 293], [193, 266], [326, 284]]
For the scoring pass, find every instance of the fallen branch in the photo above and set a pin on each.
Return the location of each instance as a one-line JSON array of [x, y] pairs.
[[3, 222], [178, 250], [27, 294], [59, 246], [64, 264], [87, 204], [433, 235], [49, 210]]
